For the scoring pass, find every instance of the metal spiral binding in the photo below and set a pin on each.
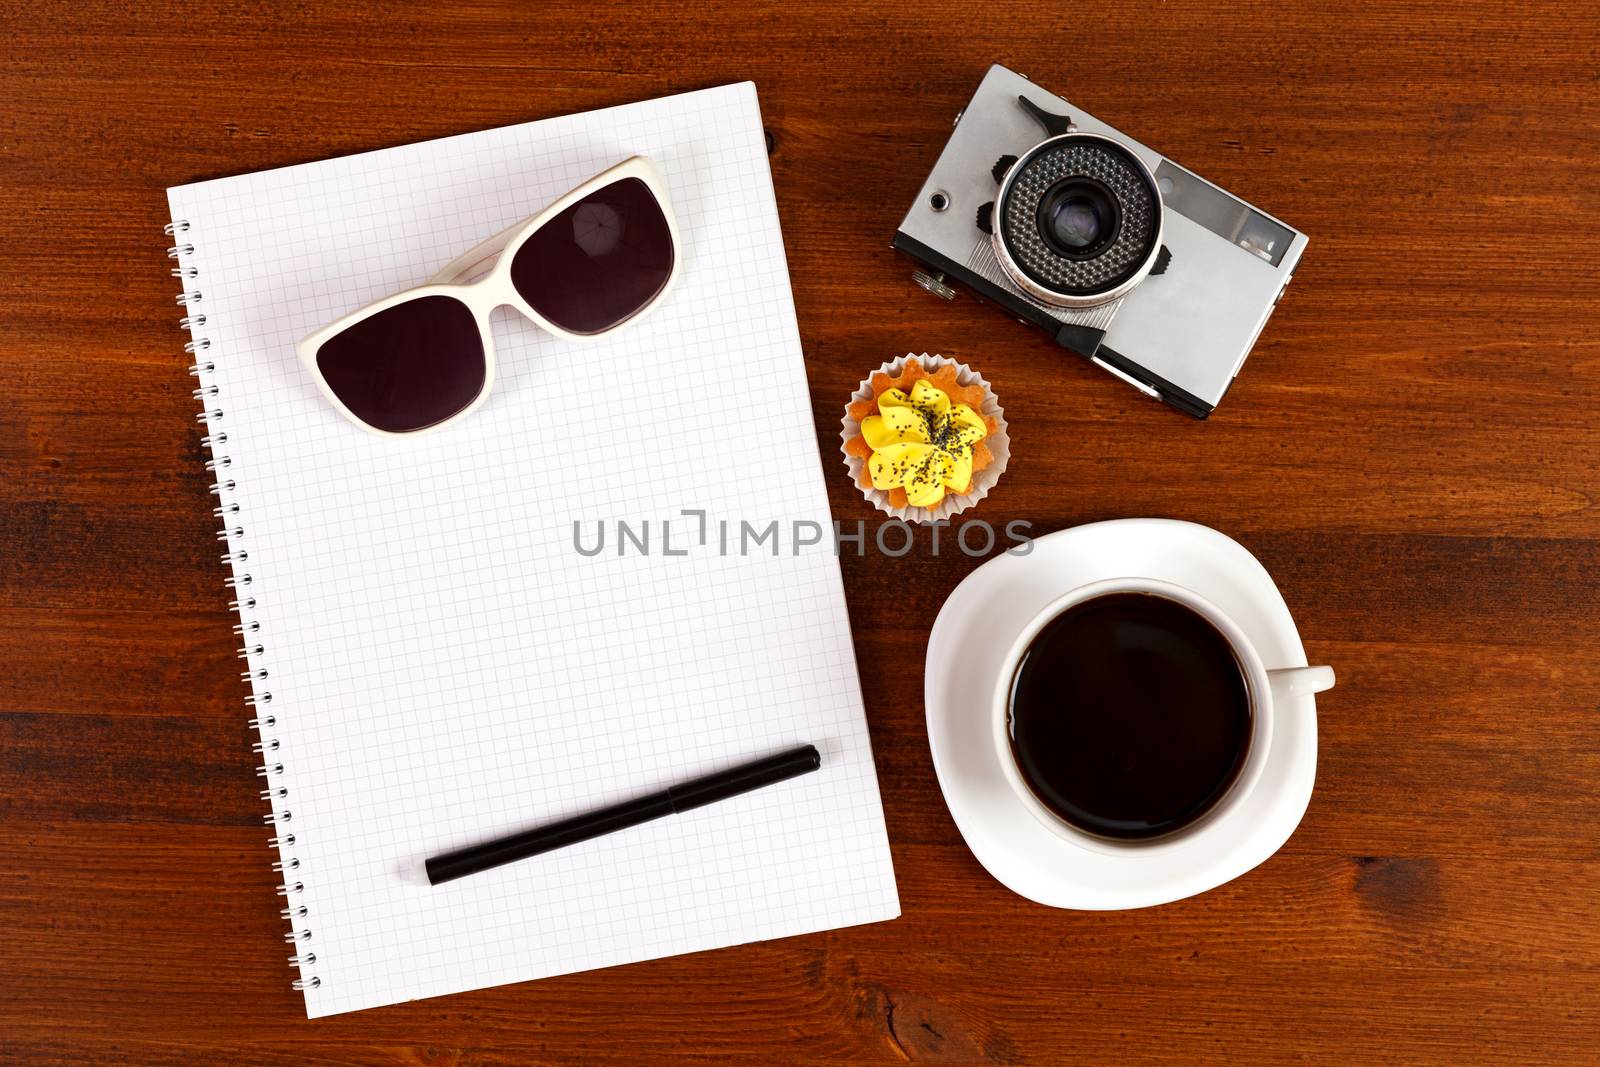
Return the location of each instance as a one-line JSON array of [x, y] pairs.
[[252, 648]]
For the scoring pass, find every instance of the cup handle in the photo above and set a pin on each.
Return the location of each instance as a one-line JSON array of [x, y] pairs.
[[1290, 682]]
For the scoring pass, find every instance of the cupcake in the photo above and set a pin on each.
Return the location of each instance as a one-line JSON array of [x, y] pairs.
[[924, 438]]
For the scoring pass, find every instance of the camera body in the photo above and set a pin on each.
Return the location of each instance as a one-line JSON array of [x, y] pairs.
[[1121, 255]]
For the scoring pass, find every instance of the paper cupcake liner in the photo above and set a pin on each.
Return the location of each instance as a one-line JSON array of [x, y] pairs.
[[999, 444]]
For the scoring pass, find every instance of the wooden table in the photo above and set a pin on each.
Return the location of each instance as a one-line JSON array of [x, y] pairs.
[[1411, 451]]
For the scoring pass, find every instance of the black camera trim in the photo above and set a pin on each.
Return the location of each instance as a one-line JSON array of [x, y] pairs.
[[1080, 340]]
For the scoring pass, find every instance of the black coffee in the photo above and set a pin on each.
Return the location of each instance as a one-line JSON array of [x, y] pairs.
[[1129, 716]]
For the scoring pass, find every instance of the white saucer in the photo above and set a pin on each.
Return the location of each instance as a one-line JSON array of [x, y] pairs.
[[978, 624]]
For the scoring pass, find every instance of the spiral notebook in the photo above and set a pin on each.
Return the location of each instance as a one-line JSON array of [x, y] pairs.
[[434, 662]]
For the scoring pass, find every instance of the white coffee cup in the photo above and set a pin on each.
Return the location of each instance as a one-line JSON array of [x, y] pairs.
[[1267, 688]]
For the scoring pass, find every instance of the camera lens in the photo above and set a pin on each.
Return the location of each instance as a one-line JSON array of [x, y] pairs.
[[1078, 217], [1077, 221]]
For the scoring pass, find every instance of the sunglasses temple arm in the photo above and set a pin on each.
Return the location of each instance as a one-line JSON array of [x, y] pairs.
[[467, 264]]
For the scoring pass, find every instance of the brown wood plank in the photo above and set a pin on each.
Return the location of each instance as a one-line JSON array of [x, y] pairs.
[[1446, 936]]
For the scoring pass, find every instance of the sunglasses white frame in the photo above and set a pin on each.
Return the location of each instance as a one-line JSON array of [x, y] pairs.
[[494, 290]]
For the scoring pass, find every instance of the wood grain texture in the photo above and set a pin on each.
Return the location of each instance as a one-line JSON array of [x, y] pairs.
[[1411, 451]]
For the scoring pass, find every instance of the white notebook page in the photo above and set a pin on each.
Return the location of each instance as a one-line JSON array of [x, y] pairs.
[[445, 667]]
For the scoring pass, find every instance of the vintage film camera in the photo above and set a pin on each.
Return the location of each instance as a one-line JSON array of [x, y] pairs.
[[1121, 255]]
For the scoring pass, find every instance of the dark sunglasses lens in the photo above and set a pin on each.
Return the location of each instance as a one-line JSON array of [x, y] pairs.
[[408, 367], [599, 262]]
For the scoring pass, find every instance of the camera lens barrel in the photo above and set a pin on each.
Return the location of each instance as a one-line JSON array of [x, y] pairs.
[[1077, 222], [1078, 217]]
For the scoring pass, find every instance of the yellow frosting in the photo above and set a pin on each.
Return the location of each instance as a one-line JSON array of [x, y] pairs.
[[922, 443]]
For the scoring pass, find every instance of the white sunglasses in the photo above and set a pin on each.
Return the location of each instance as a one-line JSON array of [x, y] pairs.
[[596, 259]]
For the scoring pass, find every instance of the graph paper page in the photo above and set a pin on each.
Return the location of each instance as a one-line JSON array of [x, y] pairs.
[[445, 665]]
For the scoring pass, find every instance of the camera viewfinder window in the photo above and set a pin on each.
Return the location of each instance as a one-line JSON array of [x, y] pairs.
[[1203, 203]]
